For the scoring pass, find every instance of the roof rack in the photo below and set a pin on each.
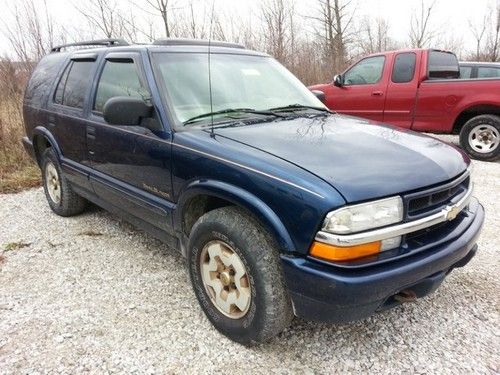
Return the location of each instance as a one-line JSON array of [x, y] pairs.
[[99, 42], [195, 42]]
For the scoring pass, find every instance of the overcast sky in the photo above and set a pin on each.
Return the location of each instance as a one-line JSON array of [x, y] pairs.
[[451, 17]]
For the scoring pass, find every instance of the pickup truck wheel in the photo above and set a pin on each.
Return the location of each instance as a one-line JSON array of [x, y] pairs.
[[236, 275], [59, 193], [480, 137]]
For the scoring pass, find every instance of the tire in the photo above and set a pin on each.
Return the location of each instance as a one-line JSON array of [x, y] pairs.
[[480, 137], [58, 191], [268, 309]]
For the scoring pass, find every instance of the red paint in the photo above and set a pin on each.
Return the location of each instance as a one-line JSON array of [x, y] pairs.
[[422, 104]]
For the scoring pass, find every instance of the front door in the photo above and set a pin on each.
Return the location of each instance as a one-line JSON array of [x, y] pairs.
[[363, 91], [131, 164]]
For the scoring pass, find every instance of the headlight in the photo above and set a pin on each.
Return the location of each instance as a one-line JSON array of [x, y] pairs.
[[361, 217]]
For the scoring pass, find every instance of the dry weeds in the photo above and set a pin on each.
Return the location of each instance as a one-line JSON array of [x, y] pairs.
[[17, 170]]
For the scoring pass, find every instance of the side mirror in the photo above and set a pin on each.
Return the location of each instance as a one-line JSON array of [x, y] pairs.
[[125, 110], [320, 95], [338, 80]]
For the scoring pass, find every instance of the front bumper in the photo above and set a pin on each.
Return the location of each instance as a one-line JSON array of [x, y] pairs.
[[325, 292]]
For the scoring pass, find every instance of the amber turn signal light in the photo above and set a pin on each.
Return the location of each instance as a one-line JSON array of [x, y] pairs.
[[339, 254]]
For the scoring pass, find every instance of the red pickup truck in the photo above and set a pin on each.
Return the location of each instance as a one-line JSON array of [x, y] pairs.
[[421, 90]]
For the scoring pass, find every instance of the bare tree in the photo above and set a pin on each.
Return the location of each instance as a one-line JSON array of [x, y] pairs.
[[493, 44], [450, 42], [30, 31], [487, 36], [478, 31], [421, 34], [374, 37], [161, 7], [278, 22], [102, 15], [335, 19]]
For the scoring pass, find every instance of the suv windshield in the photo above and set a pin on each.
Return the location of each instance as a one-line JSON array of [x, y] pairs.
[[255, 83]]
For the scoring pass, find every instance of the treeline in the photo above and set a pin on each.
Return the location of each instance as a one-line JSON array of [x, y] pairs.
[[314, 46]]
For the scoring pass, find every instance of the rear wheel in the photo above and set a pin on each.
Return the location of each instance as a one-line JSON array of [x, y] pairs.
[[236, 274], [480, 137], [58, 191]]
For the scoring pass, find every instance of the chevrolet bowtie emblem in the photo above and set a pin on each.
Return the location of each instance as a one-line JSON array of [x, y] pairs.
[[452, 213]]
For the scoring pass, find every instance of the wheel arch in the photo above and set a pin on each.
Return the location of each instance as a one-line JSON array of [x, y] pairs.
[[202, 196], [43, 139], [473, 111]]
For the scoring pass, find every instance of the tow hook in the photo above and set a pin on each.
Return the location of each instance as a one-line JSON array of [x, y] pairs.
[[406, 295]]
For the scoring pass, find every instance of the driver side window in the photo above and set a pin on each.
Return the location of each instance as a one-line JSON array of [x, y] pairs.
[[119, 78], [367, 71]]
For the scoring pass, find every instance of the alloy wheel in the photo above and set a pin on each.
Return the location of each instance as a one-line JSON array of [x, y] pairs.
[[225, 279], [52, 182]]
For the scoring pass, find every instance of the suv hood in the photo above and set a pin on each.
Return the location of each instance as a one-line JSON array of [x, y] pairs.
[[359, 159]]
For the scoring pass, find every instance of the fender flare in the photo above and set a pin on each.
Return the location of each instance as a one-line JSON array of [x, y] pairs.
[[472, 106], [238, 197], [44, 132]]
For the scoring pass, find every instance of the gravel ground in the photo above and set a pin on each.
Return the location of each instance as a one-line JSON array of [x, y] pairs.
[[90, 293]]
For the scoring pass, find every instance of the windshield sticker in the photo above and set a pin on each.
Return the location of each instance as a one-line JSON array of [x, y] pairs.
[[250, 72]]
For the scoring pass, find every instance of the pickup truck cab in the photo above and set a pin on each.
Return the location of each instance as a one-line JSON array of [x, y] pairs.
[[279, 206], [421, 90]]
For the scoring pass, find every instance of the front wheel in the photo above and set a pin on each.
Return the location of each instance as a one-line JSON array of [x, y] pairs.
[[480, 137], [236, 274]]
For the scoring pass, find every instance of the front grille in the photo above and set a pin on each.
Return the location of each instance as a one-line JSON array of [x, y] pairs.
[[432, 200]]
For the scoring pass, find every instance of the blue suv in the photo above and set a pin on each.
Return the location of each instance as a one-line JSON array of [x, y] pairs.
[[280, 206]]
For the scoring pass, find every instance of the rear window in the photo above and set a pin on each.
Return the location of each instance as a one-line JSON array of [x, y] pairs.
[[443, 65], [74, 83], [404, 67], [41, 80], [488, 72]]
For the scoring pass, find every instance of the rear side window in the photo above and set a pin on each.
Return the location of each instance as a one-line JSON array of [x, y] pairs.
[[74, 83], [443, 65], [487, 72], [119, 78], [59, 94], [465, 72], [40, 83], [404, 67]]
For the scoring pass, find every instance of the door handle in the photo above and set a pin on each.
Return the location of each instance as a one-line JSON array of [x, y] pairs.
[[377, 93], [90, 133], [52, 120]]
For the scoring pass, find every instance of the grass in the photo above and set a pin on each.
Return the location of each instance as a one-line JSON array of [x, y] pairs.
[[11, 246], [15, 179], [17, 170]]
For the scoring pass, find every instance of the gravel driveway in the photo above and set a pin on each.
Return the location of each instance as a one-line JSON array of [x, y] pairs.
[[90, 293]]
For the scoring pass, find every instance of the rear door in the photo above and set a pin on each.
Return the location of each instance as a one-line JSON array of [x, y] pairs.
[[363, 92], [131, 164], [402, 90], [437, 97], [66, 118]]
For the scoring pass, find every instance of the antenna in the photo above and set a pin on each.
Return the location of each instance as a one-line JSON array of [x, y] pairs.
[[212, 134]]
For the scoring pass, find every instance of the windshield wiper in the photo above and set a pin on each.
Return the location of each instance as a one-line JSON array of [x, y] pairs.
[[231, 110], [298, 107]]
